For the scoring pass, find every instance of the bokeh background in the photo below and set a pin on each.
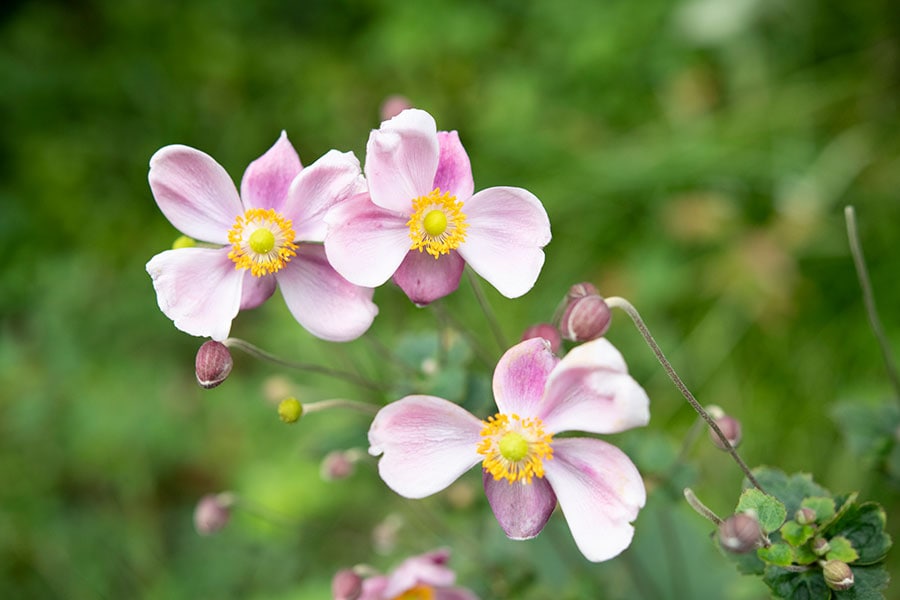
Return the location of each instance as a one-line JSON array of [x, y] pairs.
[[694, 156]]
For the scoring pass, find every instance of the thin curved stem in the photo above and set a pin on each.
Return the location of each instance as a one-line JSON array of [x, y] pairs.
[[625, 305], [488, 312], [266, 356], [340, 403], [865, 284]]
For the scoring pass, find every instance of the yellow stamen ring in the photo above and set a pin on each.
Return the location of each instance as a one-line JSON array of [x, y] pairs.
[[437, 224], [514, 448], [261, 240], [420, 592]]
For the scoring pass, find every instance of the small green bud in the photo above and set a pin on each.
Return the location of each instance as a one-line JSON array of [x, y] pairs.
[[290, 410], [821, 546], [838, 575], [805, 516]]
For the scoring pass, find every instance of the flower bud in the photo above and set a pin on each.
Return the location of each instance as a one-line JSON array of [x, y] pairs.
[[740, 533], [290, 410], [731, 427], [838, 575], [586, 315], [805, 516], [212, 513], [393, 106], [821, 546], [213, 364], [546, 331], [339, 464], [346, 585]]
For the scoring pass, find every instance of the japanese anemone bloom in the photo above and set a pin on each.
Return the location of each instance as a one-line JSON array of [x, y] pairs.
[[254, 240], [428, 442], [421, 223], [423, 577]]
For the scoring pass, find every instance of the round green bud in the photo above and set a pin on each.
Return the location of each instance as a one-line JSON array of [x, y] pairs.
[[290, 410]]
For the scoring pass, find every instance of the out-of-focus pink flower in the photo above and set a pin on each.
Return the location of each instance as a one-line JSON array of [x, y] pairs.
[[428, 442], [420, 222], [424, 577], [255, 239]]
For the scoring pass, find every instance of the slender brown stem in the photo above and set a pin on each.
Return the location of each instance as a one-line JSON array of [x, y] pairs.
[[865, 284], [266, 356], [621, 303], [340, 403], [701, 508]]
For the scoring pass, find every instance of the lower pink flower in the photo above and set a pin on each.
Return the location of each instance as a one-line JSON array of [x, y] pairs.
[[423, 577], [428, 442]]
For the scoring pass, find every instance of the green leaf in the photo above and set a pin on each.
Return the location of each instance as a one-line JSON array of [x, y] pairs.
[[804, 555], [841, 550], [823, 506], [747, 563], [869, 430], [768, 510], [791, 490], [863, 525], [789, 585], [779, 554], [845, 505], [868, 583], [796, 534]]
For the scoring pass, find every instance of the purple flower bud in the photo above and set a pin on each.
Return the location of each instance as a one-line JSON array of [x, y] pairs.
[[838, 575], [731, 427], [213, 364], [821, 546], [740, 533], [546, 331], [346, 585], [337, 465], [586, 315], [212, 513]]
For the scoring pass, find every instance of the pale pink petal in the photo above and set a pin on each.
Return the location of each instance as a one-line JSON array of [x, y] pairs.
[[590, 390], [427, 569], [194, 192], [600, 492], [426, 442], [256, 290], [521, 375], [198, 288], [335, 177], [454, 594], [522, 509], [508, 227], [401, 160], [373, 588], [326, 304], [425, 278], [365, 243], [454, 171], [267, 179]]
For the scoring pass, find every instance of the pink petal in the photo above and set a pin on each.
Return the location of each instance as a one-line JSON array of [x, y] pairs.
[[522, 509], [373, 588], [424, 278], [335, 177], [267, 179], [454, 171], [507, 229], [427, 569], [194, 192], [600, 492], [520, 377], [402, 159], [454, 594], [326, 304], [365, 243], [590, 390], [198, 288], [256, 290], [427, 443]]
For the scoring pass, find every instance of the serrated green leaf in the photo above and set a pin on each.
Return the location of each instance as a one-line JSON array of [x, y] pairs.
[[863, 525], [796, 534], [779, 554], [823, 506], [789, 585], [804, 555], [868, 583], [791, 490], [841, 550], [768, 510]]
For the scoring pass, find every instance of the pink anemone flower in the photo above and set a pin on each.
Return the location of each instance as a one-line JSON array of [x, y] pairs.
[[421, 223], [428, 442], [255, 240], [426, 576]]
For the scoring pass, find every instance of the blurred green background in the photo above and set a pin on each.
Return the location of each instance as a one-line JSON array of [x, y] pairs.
[[694, 156]]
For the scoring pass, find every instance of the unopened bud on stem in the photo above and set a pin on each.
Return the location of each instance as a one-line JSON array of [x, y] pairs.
[[731, 427], [586, 315], [838, 575], [213, 364], [290, 410], [740, 533], [213, 512]]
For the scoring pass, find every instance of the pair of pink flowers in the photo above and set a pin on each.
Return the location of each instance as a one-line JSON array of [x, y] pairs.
[[427, 442], [326, 235]]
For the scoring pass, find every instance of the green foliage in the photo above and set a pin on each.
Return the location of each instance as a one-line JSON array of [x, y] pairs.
[[769, 511]]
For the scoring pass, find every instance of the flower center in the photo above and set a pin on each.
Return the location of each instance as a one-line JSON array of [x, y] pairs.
[[262, 241], [514, 448], [436, 226], [420, 592]]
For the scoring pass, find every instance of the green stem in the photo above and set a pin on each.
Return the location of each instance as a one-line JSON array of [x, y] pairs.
[[488, 312], [869, 298], [631, 311], [340, 403]]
